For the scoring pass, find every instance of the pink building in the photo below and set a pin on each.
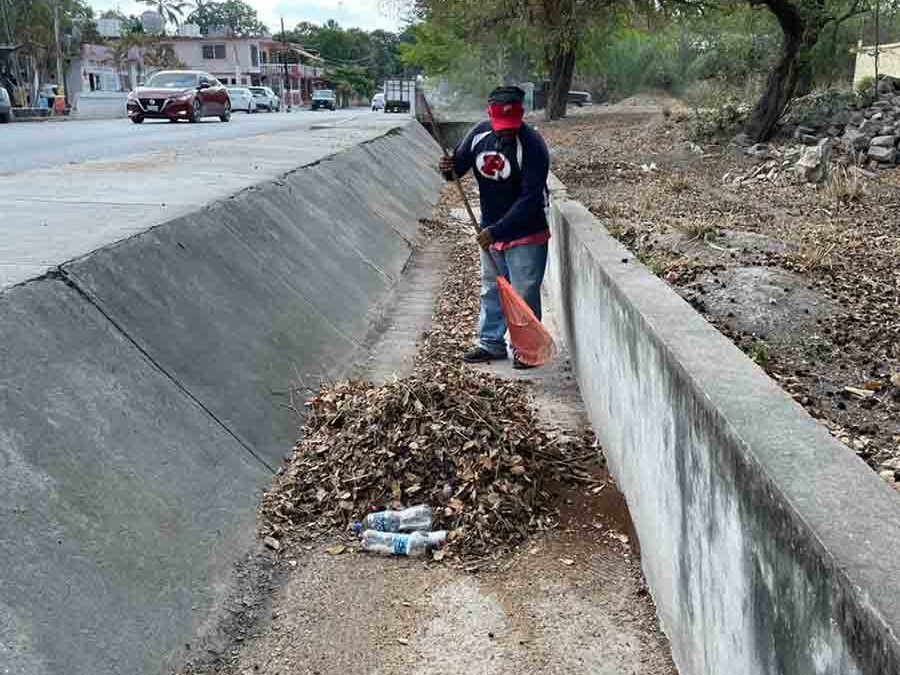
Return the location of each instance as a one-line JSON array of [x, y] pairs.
[[232, 60]]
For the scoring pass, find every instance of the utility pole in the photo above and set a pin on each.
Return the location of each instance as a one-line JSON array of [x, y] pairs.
[[60, 81], [877, 43], [286, 87]]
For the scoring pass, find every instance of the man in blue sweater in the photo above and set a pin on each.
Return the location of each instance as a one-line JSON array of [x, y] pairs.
[[511, 163]]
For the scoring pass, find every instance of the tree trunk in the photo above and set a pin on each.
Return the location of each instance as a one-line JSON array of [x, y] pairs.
[[562, 67], [782, 81]]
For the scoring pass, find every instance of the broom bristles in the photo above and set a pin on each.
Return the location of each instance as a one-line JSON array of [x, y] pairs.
[[530, 340]]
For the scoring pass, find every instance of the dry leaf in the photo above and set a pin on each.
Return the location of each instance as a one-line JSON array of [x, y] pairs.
[[337, 549]]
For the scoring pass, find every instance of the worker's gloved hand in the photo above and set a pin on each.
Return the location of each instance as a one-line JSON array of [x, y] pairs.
[[485, 239], [446, 166]]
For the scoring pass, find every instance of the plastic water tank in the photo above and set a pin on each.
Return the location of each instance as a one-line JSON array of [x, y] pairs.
[[152, 22]]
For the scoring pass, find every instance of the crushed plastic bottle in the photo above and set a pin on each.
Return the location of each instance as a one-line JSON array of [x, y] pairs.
[[397, 543], [414, 519]]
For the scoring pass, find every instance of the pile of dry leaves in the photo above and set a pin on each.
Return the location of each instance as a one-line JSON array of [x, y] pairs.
[[466, 443]]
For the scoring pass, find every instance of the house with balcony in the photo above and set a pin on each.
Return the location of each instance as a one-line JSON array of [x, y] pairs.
[[303, 69], [256, 61]]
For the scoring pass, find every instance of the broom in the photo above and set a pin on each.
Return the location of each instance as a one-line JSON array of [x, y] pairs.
[[530, 340]]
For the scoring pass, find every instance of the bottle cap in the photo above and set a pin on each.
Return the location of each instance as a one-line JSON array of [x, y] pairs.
[[356, 527]]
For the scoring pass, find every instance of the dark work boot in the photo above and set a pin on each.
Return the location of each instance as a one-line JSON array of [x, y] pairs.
[[521, 365], [481, 355]]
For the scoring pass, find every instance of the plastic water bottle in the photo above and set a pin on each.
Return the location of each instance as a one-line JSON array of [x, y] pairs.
[[413, 519], [397, 543]]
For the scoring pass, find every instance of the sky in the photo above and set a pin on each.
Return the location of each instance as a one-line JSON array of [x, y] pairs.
[[367, 14]]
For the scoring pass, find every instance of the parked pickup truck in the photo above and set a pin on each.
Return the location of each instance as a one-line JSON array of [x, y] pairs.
[[323, 98], [579, 98]]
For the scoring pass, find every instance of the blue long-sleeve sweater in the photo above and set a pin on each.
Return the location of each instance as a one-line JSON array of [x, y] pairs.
[[512, 179]]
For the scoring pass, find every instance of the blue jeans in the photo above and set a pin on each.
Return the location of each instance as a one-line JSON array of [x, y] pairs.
[[524, 267]]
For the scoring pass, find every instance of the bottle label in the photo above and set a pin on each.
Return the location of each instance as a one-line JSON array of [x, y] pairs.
[[379, 521], [401, 545]]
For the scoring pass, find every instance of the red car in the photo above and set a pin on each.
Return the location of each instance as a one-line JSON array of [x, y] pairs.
[[179, 95]]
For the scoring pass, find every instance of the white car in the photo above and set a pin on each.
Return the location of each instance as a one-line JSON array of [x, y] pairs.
[[265, 98], [378, 102], [242, 99]]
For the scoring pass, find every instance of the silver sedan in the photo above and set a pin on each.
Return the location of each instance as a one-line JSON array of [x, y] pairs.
[[242, 99]]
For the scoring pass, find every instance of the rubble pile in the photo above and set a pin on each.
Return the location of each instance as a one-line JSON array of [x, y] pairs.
[[867, 137], [464, 442]]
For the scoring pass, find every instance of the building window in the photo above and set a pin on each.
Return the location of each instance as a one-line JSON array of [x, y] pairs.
[[213, 51], [254, 55]]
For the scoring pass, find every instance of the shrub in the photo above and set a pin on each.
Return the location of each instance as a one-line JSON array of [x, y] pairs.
[[817, 109]]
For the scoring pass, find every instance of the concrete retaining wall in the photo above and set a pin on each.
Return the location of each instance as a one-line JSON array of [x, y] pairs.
[[100, 105], [143, 401], [768, 546]]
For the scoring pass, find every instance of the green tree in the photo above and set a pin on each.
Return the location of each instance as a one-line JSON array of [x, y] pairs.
[[552, 31], [384, 55], [378, 52], [347, 80], [237, 16]]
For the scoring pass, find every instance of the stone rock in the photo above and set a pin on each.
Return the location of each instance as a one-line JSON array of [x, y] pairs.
[[813, 163], [857, 118], [895, 101], [882, 154], [892, 464], [877, 117], [841, 118], [887, 84], [834, 131], [759, 150], [853, 139], [881, 105], [870, 127], [884, 142], [802, 131], [809, 139], [868, 112]]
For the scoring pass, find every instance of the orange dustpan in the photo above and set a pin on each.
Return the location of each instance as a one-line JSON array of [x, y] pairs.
[[530, 340]]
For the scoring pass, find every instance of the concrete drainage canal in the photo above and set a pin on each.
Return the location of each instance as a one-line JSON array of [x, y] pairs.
[[538, 573], [152, 390]]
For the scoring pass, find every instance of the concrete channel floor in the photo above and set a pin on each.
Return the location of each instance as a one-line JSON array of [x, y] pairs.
[[570, 601]]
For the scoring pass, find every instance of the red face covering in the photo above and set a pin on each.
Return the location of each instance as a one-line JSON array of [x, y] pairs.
[[506, 116]]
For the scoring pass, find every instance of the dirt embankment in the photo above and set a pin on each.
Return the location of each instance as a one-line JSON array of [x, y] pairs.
[[803, 278]]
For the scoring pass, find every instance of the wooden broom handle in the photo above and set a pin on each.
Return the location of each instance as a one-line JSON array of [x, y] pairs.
[[459, 188]]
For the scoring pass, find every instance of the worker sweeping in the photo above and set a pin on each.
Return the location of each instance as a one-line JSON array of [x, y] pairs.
[[511, 163]]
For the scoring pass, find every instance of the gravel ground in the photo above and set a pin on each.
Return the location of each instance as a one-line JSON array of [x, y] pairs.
[[804, 279], [569, 600]]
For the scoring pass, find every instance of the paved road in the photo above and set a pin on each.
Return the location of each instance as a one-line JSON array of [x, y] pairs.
[[55, 206], [38, 145]]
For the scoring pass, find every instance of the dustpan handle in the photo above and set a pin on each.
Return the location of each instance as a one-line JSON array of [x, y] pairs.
[[459, 188]]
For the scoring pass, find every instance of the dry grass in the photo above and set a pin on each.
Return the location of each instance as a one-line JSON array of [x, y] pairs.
[[817, 255], [706, 229], [680, 183], [845, 186]]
